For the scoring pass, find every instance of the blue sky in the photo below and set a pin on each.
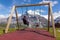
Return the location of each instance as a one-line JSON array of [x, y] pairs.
[[6, 5]]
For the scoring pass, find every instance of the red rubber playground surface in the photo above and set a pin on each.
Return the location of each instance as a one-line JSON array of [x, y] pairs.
[[28, 34]]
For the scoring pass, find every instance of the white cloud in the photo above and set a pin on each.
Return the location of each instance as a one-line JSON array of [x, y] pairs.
[[31, 12], [36, 12], [55, 15], [6, 16], [3, 16], [40, 10], [45, 16], [53, 2], [2, 8], [15, 15]]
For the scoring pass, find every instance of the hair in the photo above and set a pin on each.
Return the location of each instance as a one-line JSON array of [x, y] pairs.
[[24, 17]]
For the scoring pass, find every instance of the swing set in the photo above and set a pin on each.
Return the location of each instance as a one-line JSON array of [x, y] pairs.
[[29, 5]]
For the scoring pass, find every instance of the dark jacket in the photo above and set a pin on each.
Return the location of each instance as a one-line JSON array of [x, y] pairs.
[[25, 21]]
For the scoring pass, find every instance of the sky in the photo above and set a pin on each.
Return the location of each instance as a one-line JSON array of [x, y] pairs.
[[6, 6]]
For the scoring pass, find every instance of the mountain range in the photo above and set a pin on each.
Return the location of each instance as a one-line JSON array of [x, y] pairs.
[[32, 18], [57, 20]]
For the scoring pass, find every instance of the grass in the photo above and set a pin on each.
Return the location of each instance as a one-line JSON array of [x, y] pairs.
[[57, 33], [10, 30]]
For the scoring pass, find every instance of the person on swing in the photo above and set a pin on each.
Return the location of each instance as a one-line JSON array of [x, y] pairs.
[[25, 21]]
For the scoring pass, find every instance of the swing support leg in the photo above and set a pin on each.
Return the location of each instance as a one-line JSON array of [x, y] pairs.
[[9, 20], [52, 20], [17, 18]]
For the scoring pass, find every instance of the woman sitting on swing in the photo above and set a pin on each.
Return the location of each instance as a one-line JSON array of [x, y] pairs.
[[25, 21]]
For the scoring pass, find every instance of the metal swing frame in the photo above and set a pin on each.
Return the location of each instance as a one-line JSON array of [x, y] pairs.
[[28, 5]]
